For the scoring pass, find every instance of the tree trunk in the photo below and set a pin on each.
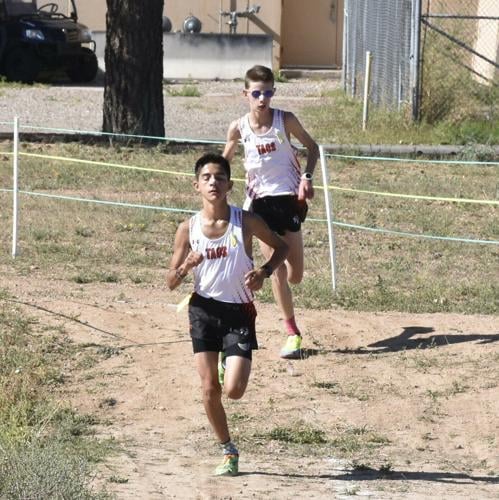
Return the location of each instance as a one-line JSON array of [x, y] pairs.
[[133, 90]]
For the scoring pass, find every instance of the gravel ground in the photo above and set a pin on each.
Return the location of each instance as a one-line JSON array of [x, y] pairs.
[[41, 108]]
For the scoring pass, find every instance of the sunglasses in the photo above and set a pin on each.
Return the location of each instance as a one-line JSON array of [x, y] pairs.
[[266, 93]]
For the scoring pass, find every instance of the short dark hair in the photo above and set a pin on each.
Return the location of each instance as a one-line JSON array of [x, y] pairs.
[[258, 74], [215, 158]]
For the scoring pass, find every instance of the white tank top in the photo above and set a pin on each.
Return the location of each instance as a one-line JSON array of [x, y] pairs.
[[271, 163], [220, 275]]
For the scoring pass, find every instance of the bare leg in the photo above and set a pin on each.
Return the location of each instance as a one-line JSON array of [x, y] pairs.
[[237, 372], [206, 364], [289, 272]]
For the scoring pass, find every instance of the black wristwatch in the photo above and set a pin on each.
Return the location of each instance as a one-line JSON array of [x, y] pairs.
[[268, 270]]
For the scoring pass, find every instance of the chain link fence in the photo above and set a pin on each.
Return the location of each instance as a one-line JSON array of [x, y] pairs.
[[459, 60], [385, 29], [437, 58]]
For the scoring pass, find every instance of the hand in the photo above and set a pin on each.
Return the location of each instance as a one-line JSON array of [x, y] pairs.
[[254, 279], [306, 190], [193, 259]]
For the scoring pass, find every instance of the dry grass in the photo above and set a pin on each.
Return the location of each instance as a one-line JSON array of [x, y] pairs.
[[87, 242]]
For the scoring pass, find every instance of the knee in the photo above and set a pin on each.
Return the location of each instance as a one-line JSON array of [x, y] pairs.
[[211, 391], [280, 275], [234, 392], [295, 277], [289, 274]]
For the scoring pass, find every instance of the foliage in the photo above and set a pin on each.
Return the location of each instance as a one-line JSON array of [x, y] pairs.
[[184, 91], [45, 450]]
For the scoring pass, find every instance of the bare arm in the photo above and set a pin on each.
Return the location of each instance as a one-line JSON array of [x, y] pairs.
[[233, 136], [183, 258], [295, 128], [255, 226]]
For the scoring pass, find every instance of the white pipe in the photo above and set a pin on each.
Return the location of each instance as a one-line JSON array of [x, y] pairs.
[[15, 188], [367, 81], [329, 215]]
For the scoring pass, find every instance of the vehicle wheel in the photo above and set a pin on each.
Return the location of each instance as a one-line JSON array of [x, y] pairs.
[[22, 65], [84, 67]]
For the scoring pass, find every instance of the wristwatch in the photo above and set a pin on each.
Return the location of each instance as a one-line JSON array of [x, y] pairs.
[[268, 270], [306, 176]]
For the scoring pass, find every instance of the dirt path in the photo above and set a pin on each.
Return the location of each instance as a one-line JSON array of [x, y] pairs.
[[408, 404]]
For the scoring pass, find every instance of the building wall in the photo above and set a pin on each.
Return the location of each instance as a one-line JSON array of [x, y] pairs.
[[268, 21], [481, 35], [487, 41], [205, 56]]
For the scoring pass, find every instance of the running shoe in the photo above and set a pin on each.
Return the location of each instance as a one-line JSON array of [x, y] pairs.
[[221, 367], [292, 347], [229, 466]]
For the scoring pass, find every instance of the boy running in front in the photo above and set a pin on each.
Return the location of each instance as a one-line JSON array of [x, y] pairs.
[[216, 244]]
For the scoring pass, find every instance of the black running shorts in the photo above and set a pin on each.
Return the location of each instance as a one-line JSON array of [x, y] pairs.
[[221, 326], [281, 213]]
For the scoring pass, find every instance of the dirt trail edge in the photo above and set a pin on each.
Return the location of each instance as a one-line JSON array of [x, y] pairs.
[[393, 405]]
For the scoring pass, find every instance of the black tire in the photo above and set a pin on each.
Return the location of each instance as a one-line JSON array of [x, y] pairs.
[[84, 67], [22, 65]]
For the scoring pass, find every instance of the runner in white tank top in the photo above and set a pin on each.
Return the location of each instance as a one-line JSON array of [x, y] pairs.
[[271, 161], [275, 188], [220, 275], [216, 244]]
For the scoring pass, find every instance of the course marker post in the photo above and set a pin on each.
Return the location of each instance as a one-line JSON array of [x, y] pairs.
[[329, 215], [15, 187], [367, 84]]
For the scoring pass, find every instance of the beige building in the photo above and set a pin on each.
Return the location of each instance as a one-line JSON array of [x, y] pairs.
[[305, 34]]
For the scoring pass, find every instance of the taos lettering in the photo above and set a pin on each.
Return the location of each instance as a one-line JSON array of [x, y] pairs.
[[216, 253], [266, 148]]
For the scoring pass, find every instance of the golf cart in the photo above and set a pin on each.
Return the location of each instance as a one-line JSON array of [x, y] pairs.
[[39, 39]]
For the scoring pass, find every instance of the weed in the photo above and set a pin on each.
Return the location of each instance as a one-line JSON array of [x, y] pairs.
[[280, 77], [299, 434], [352, 490], [184, 91], [326, 385], [238, 417], [353, 440], [118, 479], [84, 232]]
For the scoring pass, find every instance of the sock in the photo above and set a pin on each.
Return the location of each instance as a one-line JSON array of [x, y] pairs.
[[291, 326], [229, 448]]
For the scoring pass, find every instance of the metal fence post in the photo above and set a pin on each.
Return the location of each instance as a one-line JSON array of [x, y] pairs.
[[415, 58], [344, 62]]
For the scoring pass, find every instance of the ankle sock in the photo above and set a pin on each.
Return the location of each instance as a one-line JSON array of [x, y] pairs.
[[229, 448], [291, 326]]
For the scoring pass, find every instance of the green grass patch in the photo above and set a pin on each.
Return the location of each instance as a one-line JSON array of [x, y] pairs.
[[338, 120]]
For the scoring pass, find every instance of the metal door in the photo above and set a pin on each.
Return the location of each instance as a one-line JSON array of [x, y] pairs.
[[311, 33]]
